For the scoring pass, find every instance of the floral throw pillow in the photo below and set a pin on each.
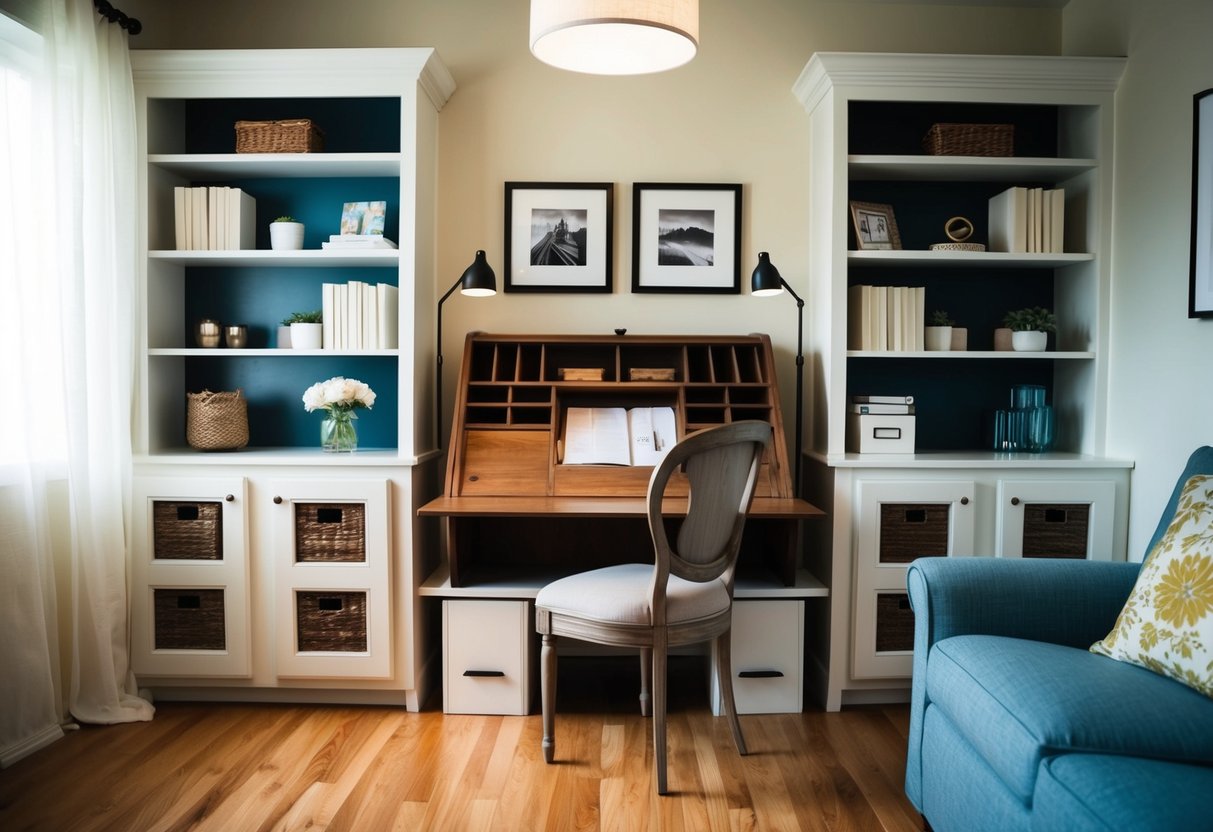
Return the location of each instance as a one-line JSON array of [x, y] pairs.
[[1167, 624]]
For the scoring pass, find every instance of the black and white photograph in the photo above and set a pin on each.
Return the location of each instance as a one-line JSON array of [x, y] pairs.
[[558, 236], [875, 227], [1200, 289], [685, 238]]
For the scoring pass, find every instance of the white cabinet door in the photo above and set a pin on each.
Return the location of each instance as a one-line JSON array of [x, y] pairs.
[[332, 578], [190, 578], [767, 654], [1056, 518], [488, 657], [897, 522]]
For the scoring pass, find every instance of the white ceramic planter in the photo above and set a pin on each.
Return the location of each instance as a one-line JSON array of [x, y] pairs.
[[1029, 341], [284, 337], [286, 236], [938, 338], [306, 336]]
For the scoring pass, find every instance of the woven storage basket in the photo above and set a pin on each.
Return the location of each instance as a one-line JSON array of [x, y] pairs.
[[216, 421], [332, 532], [970, 140], [189, 619], [894, 623], [187, 531], [331, 621], [295, 135]]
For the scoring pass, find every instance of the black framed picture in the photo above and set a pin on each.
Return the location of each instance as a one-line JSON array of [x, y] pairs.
[[1200, 282], [558, 236], [685, 238]]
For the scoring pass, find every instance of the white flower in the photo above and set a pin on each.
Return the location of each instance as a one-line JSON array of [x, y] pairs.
[[338, 392]]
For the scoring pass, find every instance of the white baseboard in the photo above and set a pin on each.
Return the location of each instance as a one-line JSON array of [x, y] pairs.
[[35, 742]]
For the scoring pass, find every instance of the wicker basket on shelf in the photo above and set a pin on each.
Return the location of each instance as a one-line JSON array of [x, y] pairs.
[[970, 140], [216, 421], [294, 135]]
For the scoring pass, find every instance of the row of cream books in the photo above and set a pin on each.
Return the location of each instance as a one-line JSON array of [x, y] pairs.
[[1028, 220], [886, 318], [214, 218], [359, 316], [617, 436]]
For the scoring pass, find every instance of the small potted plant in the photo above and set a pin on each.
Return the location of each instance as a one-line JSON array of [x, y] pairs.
[[1030, 328], [306, 330], [286, 234], [938, 336]]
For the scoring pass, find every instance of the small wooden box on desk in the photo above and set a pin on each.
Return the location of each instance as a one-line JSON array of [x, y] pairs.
[[517, 518]]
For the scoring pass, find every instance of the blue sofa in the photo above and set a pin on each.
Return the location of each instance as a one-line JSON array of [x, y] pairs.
[[1015, 725]]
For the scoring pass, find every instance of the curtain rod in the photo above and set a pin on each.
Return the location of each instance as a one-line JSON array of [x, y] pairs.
[[130, 24]]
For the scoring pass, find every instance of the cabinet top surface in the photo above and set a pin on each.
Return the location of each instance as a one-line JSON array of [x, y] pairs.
[[618, 507]]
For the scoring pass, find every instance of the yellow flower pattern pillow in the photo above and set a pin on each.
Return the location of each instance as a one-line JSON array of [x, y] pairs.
[[1167, 624]]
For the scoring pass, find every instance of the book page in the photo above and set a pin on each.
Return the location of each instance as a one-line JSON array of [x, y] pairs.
[[653, 433], [596, 436]]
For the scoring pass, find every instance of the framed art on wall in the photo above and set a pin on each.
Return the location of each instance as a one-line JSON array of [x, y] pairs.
[[1200, 282], [685, 238], [558, 236]]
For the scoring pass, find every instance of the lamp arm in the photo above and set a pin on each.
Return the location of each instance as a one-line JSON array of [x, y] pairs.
[[438, 374]]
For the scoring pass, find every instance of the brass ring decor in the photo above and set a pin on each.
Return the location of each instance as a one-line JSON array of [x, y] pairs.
[[959, 230]]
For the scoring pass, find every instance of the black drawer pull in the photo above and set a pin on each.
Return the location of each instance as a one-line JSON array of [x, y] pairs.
[[483, 673], [760, 674]]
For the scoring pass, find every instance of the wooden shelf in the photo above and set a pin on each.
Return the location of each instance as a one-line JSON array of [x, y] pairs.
[[305, 258], [218, 166], [960, 259]]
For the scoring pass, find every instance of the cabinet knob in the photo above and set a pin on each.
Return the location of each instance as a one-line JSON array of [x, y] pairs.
[[230, 498], [1014, 501], [277, 501], [964, 501]]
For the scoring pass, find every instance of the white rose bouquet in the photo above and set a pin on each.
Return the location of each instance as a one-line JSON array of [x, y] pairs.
[[338, 393]]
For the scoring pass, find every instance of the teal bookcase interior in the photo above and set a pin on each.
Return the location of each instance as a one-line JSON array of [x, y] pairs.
[[896, 127], [349, 125]]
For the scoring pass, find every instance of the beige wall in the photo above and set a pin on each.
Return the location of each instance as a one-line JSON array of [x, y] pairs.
[[1161, 398], [729, 116]]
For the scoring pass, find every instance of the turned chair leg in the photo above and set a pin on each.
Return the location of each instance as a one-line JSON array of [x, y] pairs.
[[646, 677], [547, 683], [659, 705], [724, 678]]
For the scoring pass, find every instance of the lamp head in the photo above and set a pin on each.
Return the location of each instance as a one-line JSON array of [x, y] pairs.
[[766, 280], [478, 279]]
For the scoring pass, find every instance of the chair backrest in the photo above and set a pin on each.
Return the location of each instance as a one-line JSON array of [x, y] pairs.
[[721, 467]]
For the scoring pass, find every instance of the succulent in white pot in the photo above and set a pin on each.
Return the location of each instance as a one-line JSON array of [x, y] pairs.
[[1030, 328], [286, 234], [306, 330], [938, 334]]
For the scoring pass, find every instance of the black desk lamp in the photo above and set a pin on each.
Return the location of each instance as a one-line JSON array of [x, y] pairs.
[[767, 281], [478, 281]]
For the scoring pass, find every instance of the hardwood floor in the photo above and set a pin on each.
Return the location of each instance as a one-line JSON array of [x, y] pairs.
[[285, 767]]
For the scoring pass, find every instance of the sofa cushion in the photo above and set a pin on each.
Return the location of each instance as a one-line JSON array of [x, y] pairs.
[[1018, 701], [1167, 622], [1102, 793]]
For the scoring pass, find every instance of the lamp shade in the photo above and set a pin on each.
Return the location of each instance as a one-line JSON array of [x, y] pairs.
[[478, 279], [766, 279], [615, 37]]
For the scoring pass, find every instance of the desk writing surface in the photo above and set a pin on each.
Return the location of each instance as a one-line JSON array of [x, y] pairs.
[[762, 507]]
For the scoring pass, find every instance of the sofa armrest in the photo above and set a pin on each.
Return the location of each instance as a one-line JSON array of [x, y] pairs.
[[1070, 602]]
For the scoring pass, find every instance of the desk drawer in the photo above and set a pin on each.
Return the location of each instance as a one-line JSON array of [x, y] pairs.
[[488, 656], [767, 658]]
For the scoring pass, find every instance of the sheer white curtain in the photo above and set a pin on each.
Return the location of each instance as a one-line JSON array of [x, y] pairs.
[[68, 239]]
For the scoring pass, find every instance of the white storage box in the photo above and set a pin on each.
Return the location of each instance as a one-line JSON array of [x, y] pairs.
[[874, 433], [488, 657]]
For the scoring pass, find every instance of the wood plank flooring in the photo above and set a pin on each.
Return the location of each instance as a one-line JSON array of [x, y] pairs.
[[289, 767]]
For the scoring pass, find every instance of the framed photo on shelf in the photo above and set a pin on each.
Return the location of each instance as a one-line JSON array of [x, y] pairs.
[[558, 236], [685, 238], [1200, 285], [875, 227], [363, 217]]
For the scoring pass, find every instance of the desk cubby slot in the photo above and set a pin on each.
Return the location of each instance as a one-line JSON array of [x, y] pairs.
[[581, 356], [530, 414], [487, 414], [704, 395], [703, 416], [530, 362], [541, 393], [507, 363], [748, 395], [482, 362], [483, 394], [724, 365], [644, 356], [749, 364], [699, 365]]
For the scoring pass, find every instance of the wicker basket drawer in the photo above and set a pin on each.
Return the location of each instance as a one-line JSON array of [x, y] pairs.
[[333, 622], [330, 532], [894, 622], [187, 530], [1055, 530], [189, 619], [970, 140], [295, 135], [912, 530]]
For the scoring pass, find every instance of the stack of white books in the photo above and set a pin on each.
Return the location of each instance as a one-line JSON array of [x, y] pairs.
[[1028, 220], [357, 242], [886, 318], [360, 316], [214, 218]]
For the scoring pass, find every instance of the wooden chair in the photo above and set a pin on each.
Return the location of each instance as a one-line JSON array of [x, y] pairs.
[[684, 597]]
